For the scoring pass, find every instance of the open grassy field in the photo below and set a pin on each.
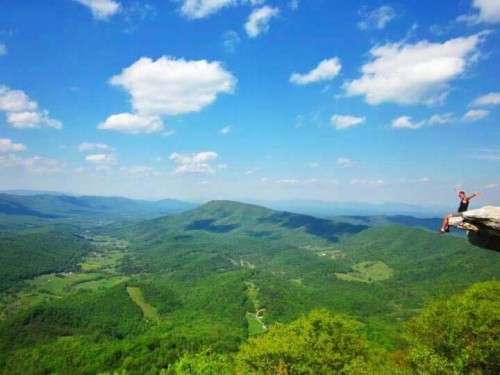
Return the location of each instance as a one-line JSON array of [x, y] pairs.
[[367, 272], [149, 311]]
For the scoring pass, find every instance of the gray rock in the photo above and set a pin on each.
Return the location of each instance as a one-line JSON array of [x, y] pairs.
[[482, 225]]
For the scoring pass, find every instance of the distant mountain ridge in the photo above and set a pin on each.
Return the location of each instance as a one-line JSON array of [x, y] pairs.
[[57, 206]]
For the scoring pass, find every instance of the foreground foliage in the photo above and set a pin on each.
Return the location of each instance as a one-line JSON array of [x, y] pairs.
[[458, 336]]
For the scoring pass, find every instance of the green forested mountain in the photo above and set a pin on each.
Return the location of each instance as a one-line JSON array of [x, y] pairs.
[[34, 252], [221, 288]]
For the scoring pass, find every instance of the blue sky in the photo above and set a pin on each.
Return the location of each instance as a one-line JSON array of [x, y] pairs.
[[202, 99]]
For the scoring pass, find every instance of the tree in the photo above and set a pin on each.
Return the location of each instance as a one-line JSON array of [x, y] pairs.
[[204, 363], [460, 335], [320, 343]]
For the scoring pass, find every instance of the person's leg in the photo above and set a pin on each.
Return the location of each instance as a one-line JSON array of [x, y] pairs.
[[445, 226]]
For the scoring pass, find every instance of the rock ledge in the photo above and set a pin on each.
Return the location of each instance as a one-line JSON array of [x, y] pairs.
[[483, 226]]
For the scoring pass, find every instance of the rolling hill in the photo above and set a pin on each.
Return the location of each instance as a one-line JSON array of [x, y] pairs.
[[216, 275], [36, 208]]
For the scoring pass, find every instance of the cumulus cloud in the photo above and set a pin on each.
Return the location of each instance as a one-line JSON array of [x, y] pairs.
[[167, 86], [493, 98], [88, 146], [226, 130], [342, 122], [22, 112], [325, 71], [197, 163], [3, 49], [405, 122], [196, 9], [131, 123], [377, 18], [345, 162], [101, 9], [475, 115], [414, 73], [488, 12], [170, 86], [259, 19], [7, 146]]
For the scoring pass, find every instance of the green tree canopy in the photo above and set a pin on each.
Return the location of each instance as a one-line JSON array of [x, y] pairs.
[[320, 343], [460, 335]]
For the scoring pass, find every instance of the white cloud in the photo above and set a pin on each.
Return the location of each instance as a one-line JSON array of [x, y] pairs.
[[130, 123], [251, 171], [167, 86], [88, 146], [377, 18], [101, 9], [440, 119], [488, 12], [314, 164], [258, 21], [7, 146], [196, 9], [475, 115], [230, 41], [3, 49], [405, 122], [492, 98], [15, 101], [22, 112], [493, 185], [367, 182], [226, 130], [36, 164], [345, 162], [414, 73], [170, 86], [141, 171], [101, 161], [198, 163], [297, 182], [325, 71], [342, 122]]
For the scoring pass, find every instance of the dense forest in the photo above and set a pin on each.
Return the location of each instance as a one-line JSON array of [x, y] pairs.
[[233, 288]]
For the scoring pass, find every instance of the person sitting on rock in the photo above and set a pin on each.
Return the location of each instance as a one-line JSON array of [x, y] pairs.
[[464, 206]]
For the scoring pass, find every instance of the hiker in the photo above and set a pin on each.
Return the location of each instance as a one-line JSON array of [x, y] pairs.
[[464, 206]]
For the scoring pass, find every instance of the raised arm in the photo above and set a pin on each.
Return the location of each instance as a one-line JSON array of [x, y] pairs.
[[473, 196]]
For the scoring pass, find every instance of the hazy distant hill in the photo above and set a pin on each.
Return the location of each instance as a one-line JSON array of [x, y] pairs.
[[332, 208], [52, 206]]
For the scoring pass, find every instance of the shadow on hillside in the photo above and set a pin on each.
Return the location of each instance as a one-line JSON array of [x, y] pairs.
[[209, 226], [18, 209], [318, 227]]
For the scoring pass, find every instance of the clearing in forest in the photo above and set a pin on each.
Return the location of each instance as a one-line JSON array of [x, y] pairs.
[[149, 311], [367, 272]]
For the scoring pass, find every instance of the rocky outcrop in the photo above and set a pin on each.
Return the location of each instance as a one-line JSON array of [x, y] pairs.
[[482, 225]]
